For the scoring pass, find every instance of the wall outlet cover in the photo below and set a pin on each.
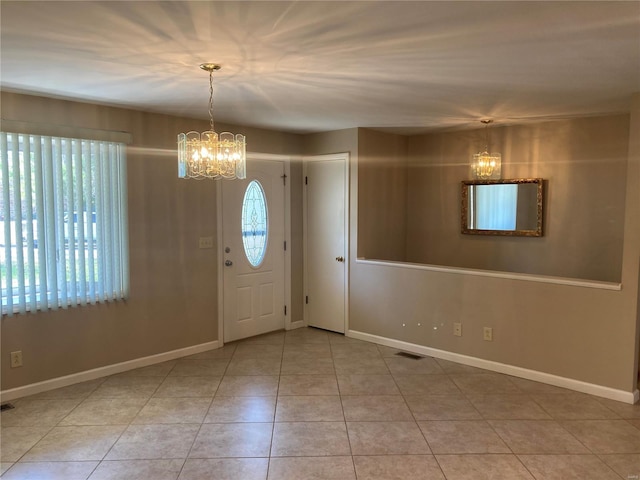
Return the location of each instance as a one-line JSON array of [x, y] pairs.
[[457, 329], [487, 334], [16, 359]]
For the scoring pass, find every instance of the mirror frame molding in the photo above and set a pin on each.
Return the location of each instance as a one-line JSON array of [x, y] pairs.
[[512, 233]]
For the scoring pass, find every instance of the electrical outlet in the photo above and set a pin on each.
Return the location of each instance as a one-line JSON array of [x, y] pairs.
[[16, 359], [205, 242], [457, 329], [487, 334]]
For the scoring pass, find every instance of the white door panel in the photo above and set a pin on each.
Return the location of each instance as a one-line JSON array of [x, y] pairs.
[[253, 296], [325, 242]]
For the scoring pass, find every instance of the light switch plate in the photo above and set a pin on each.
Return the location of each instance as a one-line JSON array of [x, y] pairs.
[[205, 242]]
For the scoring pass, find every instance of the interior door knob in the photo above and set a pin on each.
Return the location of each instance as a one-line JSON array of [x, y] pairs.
[[228, 263], [340, 259]]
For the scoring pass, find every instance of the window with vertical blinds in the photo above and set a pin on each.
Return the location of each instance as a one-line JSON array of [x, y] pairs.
[[63, 222]]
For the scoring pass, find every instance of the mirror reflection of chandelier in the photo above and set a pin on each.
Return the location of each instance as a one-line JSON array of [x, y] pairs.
[[485, 165], [207, 155]]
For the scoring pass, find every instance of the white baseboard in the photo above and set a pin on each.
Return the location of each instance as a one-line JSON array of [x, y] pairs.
[[33, 388], [569, 383], [297, 324]]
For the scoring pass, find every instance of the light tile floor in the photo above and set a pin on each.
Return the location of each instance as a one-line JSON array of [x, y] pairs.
[[309, 404]]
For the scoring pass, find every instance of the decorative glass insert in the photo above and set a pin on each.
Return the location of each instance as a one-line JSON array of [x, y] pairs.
[[255, 223]]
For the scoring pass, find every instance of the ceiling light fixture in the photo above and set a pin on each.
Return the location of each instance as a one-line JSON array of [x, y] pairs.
[[208, 155], [485, 165]]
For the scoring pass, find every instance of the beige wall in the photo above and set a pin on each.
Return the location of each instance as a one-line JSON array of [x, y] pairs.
[[584, 163], [382, 195], [576, 332], [337, 141], [631, 249], [173, 301]]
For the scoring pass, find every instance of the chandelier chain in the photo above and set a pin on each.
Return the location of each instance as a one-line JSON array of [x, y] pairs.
[[211, 100], [486, 133]]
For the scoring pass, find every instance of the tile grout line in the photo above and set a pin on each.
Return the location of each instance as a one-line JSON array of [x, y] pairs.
[[130, 422], [275, 411], [195, 437]]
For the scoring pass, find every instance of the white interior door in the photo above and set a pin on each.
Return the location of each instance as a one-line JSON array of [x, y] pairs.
[[325, 234], [253, 234]]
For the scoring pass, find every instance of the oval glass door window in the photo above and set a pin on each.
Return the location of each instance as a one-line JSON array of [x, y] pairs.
[[255, 223]]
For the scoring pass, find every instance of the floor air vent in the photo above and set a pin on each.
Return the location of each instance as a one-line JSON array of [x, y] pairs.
[[409, 355], [6, 406]]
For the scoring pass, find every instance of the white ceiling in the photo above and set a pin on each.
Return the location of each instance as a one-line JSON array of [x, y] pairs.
[[315, 66]]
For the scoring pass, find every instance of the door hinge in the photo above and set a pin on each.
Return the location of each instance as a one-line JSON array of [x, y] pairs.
[[306, 299], [284, 179], [285, 310], [306, 180], [285, 245]]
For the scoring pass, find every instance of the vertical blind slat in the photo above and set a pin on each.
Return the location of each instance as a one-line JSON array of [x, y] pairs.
[[17, 216], [99, 220], [124, 221], [114, 226], [107, 224], [60, 225], [117, 227], [49, 225], [78, 203], [7, 306], [28, 218], [89, 180], [43, 285], [72, 222]]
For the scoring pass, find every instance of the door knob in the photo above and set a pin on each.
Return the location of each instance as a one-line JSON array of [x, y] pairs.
[[228, 263], [339, 259]]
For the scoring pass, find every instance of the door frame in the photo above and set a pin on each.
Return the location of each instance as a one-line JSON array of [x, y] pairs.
[[345, 157], [287, 238]]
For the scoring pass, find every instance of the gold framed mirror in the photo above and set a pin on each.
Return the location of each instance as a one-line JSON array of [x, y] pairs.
[[502, 207]]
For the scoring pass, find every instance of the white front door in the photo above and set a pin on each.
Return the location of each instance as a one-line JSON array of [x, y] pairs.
[[253, 234], [325, 235]]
